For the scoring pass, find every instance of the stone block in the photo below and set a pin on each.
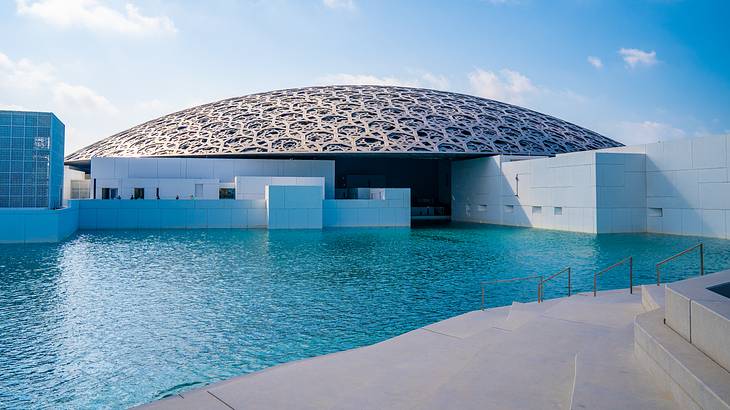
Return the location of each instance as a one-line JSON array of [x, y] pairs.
[[713, 223], [149, 219], [691, 222], [173, 218], [714, 195], [196, 218], [219, 218], [677, 312], [709, 152]]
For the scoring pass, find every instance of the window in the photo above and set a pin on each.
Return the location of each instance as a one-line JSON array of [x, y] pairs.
[[508, 209], [106, 193], [80, 189], [558, 210], [227, 193], [482, 208], [536, 210], [655, 212], [138, 193]]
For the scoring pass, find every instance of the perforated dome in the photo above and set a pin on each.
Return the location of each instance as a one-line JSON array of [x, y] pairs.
[[347, 120]]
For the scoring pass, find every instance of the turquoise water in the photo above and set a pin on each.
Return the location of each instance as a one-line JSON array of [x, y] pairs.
[[114, 319]]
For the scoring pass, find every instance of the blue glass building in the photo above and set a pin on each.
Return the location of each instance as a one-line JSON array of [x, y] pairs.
[[31, 160]]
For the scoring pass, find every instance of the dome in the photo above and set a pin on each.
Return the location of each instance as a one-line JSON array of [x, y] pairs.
[[338, 120]]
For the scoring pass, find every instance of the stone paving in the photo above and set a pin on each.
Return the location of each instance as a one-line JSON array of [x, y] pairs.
[[574, 352]]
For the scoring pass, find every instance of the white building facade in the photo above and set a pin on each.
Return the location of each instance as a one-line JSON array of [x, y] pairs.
[[202, 193], [204, 178], [338, 156], [676, 187]]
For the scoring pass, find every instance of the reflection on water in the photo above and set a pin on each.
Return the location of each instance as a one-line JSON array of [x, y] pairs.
[[114, 319]]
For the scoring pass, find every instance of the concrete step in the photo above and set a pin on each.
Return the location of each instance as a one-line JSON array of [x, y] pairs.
[[531, 367], [696, 382], [609, 309], [527, 356], [471, 323], [522, 313], [652, 297], [192, 400], [607, 376], [395, 373], [419, 362]]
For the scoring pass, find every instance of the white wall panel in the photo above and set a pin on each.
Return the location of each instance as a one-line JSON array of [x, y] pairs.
[[393, 211], [294, 207], [709, 152], [170, 214], [576, 182]]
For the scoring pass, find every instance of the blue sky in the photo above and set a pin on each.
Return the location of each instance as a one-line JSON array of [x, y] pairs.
[[636, 71]]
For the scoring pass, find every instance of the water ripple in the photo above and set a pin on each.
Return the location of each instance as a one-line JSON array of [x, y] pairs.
[[115, 319]]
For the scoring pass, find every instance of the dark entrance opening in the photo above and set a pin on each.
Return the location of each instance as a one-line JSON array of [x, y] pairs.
[[429, 180]]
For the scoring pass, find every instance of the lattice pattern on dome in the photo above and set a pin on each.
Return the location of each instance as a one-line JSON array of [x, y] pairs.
[[349, 119]]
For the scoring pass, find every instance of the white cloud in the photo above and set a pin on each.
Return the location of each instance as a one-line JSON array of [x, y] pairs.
[[437, 82], [362, 79], [506, 85], [93, 15], [340, 4], [428, 80], [29, 86], [645, 132], [635, 57], [82, 98], [24, 78], [12, 107], [595, 62], [23, 74]]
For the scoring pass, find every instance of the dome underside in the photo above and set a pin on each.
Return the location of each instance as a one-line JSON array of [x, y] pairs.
[[349, 119]]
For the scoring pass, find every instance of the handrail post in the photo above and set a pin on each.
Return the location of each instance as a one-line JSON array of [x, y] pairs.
[[630, 259], [568, 281], [671, 258], [533, 277], [549, 278], [594, 284], [702, 259], [631, 275]]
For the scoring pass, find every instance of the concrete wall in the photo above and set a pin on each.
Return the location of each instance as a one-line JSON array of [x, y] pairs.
[[583, 192], [255, 187], [554, 193], [171, 214], [68, 176], [285, 207], [169, 188], [294, 207], [676, 187], [21, 225], [393, 210], [177, 174], [620, 192], [688, 187]]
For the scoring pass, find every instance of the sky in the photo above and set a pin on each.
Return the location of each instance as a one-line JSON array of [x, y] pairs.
[[636, 71]]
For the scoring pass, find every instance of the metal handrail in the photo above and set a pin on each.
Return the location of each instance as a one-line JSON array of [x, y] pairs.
[[619, 263], [542, 293], [702, 260], [490, 282]]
